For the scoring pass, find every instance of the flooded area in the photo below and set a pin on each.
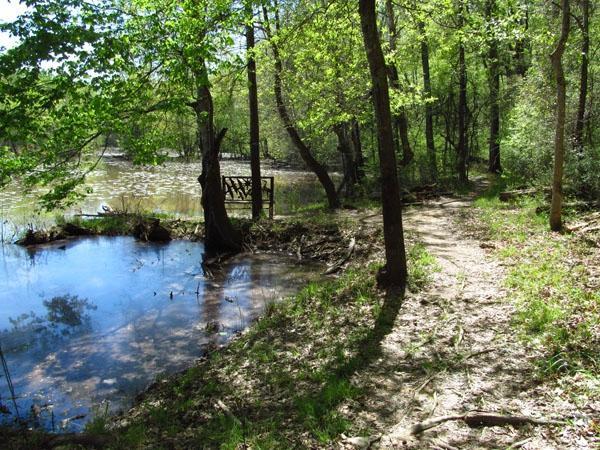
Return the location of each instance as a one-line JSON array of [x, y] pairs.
[[169, 188], [86, 324]]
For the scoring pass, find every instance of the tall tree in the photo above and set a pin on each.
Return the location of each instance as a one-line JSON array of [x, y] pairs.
[[462, 148], [583, 74], [254, 121], [429, 137], [494, 82], [561, 100], [219, 234], [400, 119], [303, 149], [395, 272]]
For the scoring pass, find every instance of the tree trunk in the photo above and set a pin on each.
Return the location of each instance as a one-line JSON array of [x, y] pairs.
[[358, 153], [254, 124], [395, 272], [345, 147], [400, 119], [521, 64], [462, 149], [494, 79], [583, 79], [433, 173], [219, 234], [559, 137], [305, 152]]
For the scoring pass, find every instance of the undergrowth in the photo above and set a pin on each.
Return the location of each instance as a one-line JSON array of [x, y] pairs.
[[286, 381], [558, 309]]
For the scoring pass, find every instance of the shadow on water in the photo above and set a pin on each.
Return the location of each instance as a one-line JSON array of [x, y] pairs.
[[87, 324]]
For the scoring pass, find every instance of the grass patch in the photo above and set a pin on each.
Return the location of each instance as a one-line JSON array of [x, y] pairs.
[[422, 265], [558, 311]]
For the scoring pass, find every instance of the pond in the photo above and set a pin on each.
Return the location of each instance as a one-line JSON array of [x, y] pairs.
[[169, 188], [88, 323]]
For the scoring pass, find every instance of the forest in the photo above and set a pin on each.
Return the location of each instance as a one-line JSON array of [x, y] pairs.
[[299, 224]]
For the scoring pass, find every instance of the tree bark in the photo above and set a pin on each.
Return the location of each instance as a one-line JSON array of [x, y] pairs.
[[494, 165], [254, 122], [583, 78], [303, 149], [395, 272], [521, 64], [400, 119], [358, 153], [433, 172], [559, 137], [345, 147], [462, 149], [219, 233]]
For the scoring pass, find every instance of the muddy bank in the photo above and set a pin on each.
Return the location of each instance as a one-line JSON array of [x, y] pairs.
[[327, 240]]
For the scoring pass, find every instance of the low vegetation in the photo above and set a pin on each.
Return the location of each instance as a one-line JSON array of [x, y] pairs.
[[287, 378], [553, 280]]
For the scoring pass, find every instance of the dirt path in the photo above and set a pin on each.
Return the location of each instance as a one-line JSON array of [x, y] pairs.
[[453, 350]]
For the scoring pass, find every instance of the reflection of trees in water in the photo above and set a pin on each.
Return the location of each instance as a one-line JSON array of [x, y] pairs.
[[67, 315], [68, 310]]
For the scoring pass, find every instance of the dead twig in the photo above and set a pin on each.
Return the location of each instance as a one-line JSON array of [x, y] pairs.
[[342, 261], [481, 352]]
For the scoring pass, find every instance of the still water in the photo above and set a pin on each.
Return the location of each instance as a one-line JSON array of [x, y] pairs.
[[169, 188], [86, 324]]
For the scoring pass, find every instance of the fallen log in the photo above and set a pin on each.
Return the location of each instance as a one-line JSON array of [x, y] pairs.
[[518, 193]]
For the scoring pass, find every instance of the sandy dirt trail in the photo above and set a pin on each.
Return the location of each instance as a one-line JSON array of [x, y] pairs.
[[452, 350]]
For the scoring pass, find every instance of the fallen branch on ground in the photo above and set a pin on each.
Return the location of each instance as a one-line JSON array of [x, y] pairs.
[[472, 419], [481, 419], [513, 195], [342, 261]]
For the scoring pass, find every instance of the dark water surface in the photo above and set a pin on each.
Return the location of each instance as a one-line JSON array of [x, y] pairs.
[[86, 324]]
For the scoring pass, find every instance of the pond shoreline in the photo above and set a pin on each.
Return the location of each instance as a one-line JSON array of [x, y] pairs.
[[306, 241], [318, 240], [312, 238]]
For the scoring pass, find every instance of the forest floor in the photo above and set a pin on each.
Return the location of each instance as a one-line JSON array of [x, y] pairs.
[[500, 317], [454, 349]]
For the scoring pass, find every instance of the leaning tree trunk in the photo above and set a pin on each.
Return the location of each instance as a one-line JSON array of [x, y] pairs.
[[583, 78], [494, 79], [219, 233], [257, 202], [305, 152], [559, 137], [400, 119], [395, 272], [433, 172]]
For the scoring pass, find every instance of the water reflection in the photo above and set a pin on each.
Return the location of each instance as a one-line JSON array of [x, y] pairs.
[[98, 318]]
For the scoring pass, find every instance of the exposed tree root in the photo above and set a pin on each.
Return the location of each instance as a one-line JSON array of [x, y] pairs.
[[481, 419], [472, 419]]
